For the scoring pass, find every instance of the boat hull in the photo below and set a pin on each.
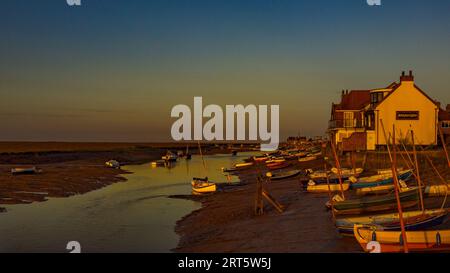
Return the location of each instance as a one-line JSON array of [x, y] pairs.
[[418, 241]]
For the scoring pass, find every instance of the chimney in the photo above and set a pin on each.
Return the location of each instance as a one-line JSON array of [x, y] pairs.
[[409, 78]]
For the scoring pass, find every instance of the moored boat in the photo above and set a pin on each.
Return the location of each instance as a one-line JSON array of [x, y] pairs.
[[323, 188], [112, 164], [307, 158], [390, 241], [348, 172], [18, 171], [369, 204], [170, 157], [381, 189], [379, 179], [437, 190], [283, 175], [203, 185], [414, 220]]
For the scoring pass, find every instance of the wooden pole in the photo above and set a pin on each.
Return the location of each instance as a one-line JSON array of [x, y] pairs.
[[353, 162], [386, 139], [338, 166], [397, 192], [330, 195], [201, 155], [444, 145], [419, 182]]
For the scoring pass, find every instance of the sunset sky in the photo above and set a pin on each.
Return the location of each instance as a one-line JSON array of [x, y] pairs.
[[111, 70]]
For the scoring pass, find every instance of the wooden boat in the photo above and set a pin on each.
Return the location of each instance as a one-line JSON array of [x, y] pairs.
[[379, 179], [390, 241], [381, 189], [229, 170], [262, 158], [170, 157], [323, 188], [307, 158], [243, 165], [112, 164], [202, 185], [278, 165], [283, 175], [275, 160], [388, 171], [437, 190], [348, 172], [158, 163], [332, 179], [19, 171], [414, 220], [368, 204]]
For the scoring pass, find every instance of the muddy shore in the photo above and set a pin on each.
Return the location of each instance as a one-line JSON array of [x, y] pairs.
[[226, 221], [72, 168]]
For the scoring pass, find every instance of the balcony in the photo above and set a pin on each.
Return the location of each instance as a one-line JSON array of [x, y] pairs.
[[345, 123]]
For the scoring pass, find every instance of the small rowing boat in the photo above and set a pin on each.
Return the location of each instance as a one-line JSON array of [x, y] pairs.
[[19, 171], [391, 241], [379, 179], [243, 165], [158, 163], [414, 220], [112, 164], [278, 165], [348, 172], [369, 204], [323, 188], [283, 175], [170, 157], [437, 190], [202, 185], [307, 158], [381, 189]]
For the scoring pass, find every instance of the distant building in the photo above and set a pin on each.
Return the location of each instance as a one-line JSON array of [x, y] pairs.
[[357, 121], [296, 140], [444, 122]]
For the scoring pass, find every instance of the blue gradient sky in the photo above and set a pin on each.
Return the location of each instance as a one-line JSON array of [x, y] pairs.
[[111, 70]]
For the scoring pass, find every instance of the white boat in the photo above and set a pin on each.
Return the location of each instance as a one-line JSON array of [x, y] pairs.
[[171, 157], [112, 164], [354, 172], [308, 158], [202, 185], [32, 170]]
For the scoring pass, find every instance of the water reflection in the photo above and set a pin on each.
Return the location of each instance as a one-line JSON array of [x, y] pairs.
[[134, 216]]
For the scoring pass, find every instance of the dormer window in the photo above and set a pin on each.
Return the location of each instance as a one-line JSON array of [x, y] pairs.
[[376, 97]]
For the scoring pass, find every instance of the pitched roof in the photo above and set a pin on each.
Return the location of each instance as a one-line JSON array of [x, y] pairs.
[[354, 100], [443, 114]]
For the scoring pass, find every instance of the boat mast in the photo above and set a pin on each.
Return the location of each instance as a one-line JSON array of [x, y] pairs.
[[397, 194], [338, 166], [201, 155], [396, 187], [444, 145], [419, 182]]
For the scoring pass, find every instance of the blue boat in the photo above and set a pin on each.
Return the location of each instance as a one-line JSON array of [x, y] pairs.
[[416, 221], [380, 180]]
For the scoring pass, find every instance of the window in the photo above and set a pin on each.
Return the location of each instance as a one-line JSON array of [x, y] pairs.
[[376, 97], [348, 119], [445, 124]]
